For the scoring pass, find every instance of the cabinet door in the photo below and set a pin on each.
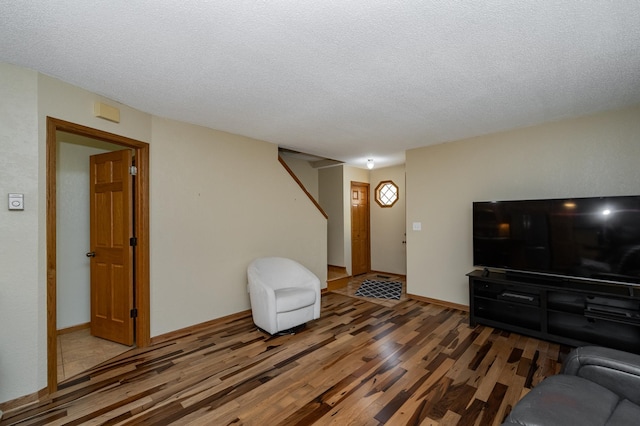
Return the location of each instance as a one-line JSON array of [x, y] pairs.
[[511, 314], [595, 331]]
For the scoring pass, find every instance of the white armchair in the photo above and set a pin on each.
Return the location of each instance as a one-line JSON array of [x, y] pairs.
[[284, 294]]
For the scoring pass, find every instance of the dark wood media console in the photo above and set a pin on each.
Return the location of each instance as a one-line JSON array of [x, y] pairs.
[[571, 312]]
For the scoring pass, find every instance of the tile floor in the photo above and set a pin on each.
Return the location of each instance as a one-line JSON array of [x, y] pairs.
[[354, 283], [78, 351]]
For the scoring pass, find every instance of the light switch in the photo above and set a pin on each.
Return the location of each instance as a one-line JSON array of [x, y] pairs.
[[417, 226], [16, 201]]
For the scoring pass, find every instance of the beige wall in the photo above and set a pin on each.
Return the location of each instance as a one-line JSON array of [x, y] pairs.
[[305, 173], [388, 253], [217, 202], [589, 156], [22, 304], [202, 237], [332, 201]]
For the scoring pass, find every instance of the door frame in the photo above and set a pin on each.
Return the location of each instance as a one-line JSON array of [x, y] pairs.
[[141, 230]]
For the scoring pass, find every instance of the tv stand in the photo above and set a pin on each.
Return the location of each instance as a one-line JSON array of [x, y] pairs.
[[534, 278], [566, 311]]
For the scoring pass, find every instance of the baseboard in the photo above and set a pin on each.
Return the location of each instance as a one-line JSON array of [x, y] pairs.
[[438, 302], [197, 327], [22, 401], [73, 328]]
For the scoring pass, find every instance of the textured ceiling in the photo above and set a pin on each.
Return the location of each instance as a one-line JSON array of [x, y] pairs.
[[346, 80]]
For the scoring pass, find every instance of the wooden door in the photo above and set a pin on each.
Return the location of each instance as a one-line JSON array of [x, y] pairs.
[[360, 230], [111, 216]]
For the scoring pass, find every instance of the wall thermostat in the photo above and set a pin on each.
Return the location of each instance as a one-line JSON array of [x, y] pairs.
[[16, 201]]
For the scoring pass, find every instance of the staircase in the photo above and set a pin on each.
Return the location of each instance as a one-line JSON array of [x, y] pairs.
[[337, 277]]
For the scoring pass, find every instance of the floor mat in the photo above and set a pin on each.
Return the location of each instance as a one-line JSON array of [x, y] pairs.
[[380, 289]]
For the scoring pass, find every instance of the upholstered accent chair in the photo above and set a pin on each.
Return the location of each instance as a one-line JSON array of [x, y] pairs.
[[284, 294]]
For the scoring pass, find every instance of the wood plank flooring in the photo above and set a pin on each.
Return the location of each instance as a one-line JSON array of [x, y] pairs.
[[361, 363]]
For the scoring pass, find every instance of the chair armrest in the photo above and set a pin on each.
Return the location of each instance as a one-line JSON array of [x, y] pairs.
[[616, 370], [263, 306]]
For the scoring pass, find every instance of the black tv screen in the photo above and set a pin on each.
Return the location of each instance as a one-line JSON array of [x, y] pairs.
[[588, 238]]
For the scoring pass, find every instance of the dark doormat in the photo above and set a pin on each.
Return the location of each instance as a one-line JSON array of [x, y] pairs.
[[380, 289]]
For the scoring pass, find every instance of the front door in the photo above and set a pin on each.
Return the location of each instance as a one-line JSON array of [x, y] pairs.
[[111, 217], [360, 245]]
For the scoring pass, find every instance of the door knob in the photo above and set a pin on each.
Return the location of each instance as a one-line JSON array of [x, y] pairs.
[[91, 254]]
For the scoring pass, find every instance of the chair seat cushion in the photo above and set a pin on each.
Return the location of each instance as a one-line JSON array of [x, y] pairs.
[[568, 400], [290, 299]]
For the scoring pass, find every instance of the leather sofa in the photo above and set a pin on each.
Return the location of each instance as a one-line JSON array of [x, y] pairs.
[[597, 386]]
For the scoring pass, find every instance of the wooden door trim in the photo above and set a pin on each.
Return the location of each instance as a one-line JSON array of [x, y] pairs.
[[141, 227], [301, 185]]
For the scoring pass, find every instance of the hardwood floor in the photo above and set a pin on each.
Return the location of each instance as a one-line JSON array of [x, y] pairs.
[[361, 363]]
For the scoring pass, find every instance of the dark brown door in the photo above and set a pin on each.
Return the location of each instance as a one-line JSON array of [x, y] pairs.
[[112, 254], [360, 238]]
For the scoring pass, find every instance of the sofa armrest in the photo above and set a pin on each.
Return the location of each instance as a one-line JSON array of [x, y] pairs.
[[616, 370]]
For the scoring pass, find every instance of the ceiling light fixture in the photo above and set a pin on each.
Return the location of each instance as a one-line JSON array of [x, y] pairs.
[[370, 163]]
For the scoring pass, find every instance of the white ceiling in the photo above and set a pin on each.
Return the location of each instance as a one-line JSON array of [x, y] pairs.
[[346, 80]]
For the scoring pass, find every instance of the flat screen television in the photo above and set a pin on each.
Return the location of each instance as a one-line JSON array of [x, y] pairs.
[[586, 238]]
